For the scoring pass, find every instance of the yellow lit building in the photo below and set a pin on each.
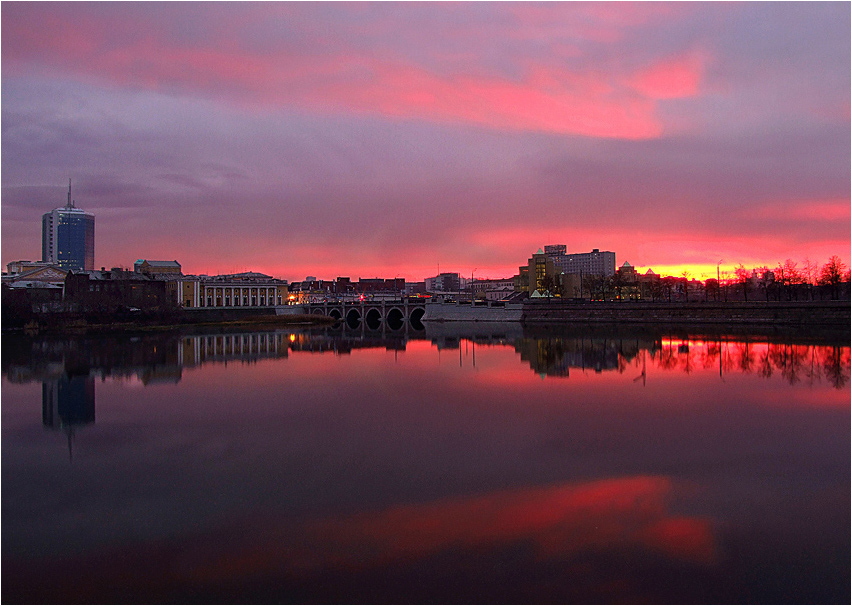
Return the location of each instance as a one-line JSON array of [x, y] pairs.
[[541, 266]]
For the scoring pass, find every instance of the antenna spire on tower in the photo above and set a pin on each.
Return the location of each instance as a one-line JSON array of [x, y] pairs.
[[69, 204]]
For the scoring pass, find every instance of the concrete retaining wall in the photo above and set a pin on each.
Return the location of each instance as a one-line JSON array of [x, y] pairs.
[[794, 313], [459, 312], [290, 310]]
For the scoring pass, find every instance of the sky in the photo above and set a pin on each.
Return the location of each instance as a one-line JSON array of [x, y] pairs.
[[400, 139]]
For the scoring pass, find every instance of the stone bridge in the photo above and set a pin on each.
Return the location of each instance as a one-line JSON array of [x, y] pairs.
[[395, 315]]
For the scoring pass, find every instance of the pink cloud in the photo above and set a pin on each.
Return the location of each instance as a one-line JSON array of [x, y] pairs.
[[670, 79], [569, 101], [804, 210], [602, 22]]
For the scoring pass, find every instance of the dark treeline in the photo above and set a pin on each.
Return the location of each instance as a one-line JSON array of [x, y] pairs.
[[785, 282]]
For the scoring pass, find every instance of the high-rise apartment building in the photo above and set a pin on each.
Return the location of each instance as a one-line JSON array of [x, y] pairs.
[[445, 282], [597, 262], [68, 237]]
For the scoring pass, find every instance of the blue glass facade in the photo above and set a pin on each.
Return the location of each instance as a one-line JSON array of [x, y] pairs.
[[68, 238]]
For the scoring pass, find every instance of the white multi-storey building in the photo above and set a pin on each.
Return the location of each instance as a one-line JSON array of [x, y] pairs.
[[597, 262]]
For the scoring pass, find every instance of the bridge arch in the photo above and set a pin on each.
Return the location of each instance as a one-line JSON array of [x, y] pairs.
[[373, 318], [335, 313], [353, 318], [395, 318], [416, 318]]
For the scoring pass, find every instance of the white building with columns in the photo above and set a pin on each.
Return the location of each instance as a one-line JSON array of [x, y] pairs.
[[249, 289]]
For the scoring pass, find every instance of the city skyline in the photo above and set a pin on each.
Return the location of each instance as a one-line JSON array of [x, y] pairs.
[[393, 139]]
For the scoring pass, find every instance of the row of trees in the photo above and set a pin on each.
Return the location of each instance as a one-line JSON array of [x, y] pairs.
[[787, 281]]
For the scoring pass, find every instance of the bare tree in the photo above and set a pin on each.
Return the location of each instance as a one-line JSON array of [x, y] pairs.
[[743, 277], [832, 275], [618, 282], [788, 277], [810, 275], [596, 286], [668, 284], [711, 286], [793, 277], [548, 285]]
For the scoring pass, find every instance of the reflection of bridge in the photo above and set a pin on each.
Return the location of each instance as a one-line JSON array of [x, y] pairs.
[[394, 315]]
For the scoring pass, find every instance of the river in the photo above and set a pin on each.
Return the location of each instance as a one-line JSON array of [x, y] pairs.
[[454, 464]]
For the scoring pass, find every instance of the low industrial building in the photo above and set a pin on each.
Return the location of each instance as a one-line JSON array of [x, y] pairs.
[[114, 290], [170, 269]]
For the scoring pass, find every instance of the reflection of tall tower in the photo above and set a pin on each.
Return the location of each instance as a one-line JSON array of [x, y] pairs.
[[68, 402], [68, 237]]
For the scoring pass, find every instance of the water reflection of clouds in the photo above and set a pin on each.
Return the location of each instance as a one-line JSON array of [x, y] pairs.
[[558, 521], [564, 523]]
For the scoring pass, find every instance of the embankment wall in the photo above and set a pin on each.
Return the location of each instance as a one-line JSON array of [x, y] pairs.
[[461, 312], [834, 314]]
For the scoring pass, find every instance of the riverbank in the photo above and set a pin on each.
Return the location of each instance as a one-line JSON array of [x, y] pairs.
[[79, 324]]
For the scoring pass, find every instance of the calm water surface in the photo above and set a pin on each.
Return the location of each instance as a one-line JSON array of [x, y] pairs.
[[441, 465]]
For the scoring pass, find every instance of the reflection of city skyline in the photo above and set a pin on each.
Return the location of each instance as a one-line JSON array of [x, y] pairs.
[[162, 358], [555, 357], [68, 402]]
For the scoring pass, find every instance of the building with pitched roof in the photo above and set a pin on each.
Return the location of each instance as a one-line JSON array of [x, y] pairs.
[[157, 268]]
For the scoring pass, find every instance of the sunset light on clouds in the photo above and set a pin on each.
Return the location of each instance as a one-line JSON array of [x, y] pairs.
[[384, 139]]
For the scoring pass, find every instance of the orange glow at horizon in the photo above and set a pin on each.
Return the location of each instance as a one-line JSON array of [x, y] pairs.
[[498, 252], [700, 272]]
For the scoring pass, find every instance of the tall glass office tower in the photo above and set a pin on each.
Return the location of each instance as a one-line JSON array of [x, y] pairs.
[[68, 237]]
